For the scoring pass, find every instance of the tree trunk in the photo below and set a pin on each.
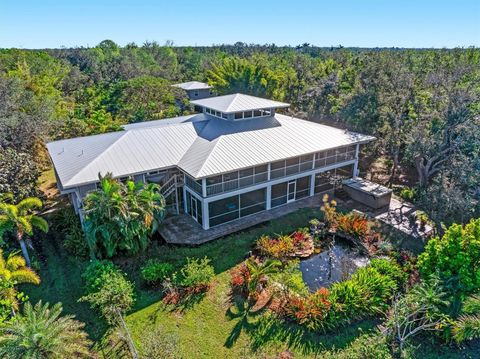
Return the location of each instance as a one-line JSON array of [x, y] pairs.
[[393, 174], [422, 171], [24, 249], [131, 345]]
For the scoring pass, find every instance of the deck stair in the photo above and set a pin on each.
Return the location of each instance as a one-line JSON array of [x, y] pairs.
[[169, 187]]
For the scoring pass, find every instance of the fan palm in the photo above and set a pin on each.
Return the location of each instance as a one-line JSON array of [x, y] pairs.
[[41, 332], [12, 272], [21, 219]]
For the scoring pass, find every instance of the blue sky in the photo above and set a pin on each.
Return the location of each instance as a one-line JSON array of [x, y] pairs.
[[363, 23]]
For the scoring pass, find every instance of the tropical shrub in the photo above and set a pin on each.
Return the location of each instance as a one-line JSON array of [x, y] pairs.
[[122, 217], [41, 332], [408, 194], [95, 273], [310, 311], [112, 296], [67, 222], [251, 276], [455, 257], [353, 224], [279, 247], [155, 271], [284, 246], [367, 292], [196, 273], [390, 269]]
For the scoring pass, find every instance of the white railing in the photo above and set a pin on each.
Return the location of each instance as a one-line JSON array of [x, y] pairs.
[[237, 183]]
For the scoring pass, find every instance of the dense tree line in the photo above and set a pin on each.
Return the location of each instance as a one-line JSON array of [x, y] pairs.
[[422, 105]]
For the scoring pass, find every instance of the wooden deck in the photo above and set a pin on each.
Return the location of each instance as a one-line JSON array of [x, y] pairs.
[[182, 229]]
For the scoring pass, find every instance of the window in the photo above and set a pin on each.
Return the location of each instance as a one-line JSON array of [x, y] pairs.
[[230, 181], [279, 194], [214, 180], [322, 182], [292, 165], [224, 115], [303, 187], [246, 177], [224, 210], [247, 114], [265, 112], [253, 202], [195, 93], [261, 173], [238, 115], [257, 113], [277, 169]]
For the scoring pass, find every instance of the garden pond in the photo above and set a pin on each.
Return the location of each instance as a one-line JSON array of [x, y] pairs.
[[334, 264]]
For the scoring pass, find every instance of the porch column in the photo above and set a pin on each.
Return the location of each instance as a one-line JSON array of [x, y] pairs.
[[355, 165], [268, 172], [205, 215], [184, 197], [312, 184], [269, 197], [204, 187]]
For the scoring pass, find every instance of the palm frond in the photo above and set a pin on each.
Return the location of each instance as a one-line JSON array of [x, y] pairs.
[[40, 223], [467, 327], [29, 204]]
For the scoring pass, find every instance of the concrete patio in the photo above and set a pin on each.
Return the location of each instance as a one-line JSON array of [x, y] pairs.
[[182, 229]]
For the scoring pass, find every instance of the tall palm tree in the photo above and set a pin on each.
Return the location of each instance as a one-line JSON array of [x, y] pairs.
[[21, 219], [12, 272], [40, 332]]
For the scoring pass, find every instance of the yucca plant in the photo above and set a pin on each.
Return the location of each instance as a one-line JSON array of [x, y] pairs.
[[12, 272], [40, 332], [21, 219]]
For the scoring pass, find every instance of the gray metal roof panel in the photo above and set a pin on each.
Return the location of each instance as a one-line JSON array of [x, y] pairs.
[[238, 102], [201, 148], [193, 85]]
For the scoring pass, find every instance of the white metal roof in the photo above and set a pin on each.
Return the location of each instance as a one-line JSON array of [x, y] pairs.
[[200, 145], [238, 102], [193, 85]]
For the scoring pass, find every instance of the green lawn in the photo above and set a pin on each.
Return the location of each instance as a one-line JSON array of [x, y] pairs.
[[211, 327]]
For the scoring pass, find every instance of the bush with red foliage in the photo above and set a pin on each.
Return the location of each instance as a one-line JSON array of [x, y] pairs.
[[311, 311], [240, 277]]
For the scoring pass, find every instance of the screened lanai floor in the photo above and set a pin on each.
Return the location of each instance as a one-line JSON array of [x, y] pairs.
[[182, 229]]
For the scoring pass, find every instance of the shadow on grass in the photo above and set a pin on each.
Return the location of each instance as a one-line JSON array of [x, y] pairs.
[[242, 311], [272, 329], [264, 328]]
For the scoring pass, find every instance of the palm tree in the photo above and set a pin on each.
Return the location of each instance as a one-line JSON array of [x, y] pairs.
[[259, 272], [40, 332], [20, 218], [12, 272]]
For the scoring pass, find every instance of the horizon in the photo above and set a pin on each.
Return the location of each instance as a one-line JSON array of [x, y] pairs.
[[376, 24]]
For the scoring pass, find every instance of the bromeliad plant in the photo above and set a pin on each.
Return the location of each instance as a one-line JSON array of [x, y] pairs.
[[122, 217]]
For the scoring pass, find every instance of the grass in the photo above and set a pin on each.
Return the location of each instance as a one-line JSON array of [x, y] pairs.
[[211, 327]]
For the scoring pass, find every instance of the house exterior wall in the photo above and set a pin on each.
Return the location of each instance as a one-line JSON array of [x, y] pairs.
[[199, 94], [237, 205]]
